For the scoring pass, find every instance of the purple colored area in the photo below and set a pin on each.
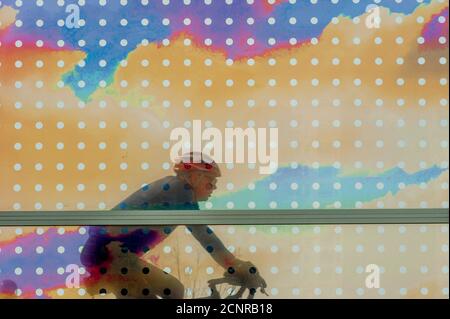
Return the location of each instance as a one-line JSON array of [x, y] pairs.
[[8, 287], [437, 27], [21, 253]]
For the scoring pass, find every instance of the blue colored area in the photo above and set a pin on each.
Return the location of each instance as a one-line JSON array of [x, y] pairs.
[[324, 11], [91, 73], [326, 195], [50, 260]]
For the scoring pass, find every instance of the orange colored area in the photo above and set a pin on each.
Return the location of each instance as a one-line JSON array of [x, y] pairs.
[[7, 17]]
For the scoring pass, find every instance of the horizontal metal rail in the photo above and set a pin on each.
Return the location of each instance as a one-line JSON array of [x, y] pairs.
[[225, 217]]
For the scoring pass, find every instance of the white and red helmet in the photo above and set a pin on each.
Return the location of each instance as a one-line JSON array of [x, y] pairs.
[[196, 161]]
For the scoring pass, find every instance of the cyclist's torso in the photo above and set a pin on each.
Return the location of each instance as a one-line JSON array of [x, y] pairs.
[[168, 193]]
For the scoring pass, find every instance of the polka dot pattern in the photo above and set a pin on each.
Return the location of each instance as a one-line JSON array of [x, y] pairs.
[[81, 138], [295, 261]]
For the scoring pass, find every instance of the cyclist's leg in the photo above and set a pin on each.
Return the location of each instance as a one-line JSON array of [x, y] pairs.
[[129, 276], [158, 282]]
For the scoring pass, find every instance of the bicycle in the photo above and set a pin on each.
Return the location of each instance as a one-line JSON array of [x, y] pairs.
[[235, 281]]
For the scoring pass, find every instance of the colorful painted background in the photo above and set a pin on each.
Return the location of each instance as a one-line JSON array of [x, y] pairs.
[[86, 114], [362, 113], [326, 261]]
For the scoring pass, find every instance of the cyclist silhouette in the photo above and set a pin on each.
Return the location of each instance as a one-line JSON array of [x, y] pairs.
[[112, 254]]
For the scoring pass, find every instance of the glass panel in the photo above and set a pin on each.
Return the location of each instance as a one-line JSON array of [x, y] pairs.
[[340, 261], [91, 93]]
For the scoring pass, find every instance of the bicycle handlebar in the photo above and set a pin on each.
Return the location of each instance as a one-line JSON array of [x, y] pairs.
[[232, 281]]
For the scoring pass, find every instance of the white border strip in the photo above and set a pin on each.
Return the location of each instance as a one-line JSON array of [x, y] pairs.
[[225, 217]]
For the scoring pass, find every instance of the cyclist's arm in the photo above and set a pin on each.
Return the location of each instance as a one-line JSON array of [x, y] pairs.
[[213, 245]]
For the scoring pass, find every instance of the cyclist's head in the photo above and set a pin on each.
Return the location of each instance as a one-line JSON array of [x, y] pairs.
[[200, 171]]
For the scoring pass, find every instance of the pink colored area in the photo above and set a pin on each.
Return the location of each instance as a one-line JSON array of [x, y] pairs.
[[265, 7]]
